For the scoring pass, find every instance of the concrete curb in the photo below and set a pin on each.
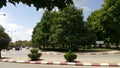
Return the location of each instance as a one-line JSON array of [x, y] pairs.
[[61, 63], [82, 53]]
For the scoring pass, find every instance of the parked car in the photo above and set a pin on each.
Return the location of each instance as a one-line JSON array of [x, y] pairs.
[[17, 48]]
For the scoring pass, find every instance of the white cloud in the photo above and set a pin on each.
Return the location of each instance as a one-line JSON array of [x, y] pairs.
[[29, 31], [16, 31], [82, 4], [85, 8], [41, 10], [55, 9], [81, 1]]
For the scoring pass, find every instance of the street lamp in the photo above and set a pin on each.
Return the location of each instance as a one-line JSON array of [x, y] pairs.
[[3, 14], [11, 32]]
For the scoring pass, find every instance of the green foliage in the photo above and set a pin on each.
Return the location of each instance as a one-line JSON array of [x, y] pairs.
[[94, 25], [49, 4], [64, 27], [19, 43], [34, 55], [28, 43], [23, 43], [41, 32], [111, 20], [34, 50], [4, 39], [70, 56], [105, 22], [10, 46]]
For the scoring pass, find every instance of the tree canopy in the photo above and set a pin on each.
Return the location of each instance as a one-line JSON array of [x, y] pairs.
[[48, 4], [111, 19], [106, 21], [4, 39], [65, 27]]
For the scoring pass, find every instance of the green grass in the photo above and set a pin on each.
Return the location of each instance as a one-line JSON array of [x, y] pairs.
[[96, 50], [80, 50]]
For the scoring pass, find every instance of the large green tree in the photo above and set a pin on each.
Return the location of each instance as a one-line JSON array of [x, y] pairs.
[[4, 39], [41, 32], [111, 20], [49, 4], [71, 30], [64, 27], [93, 23], [105, 22]]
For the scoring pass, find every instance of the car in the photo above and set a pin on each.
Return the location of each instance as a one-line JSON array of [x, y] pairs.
[[17, 48]]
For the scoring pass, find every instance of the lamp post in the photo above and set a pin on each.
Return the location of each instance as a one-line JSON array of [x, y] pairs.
[[3, 14], [11, 32]]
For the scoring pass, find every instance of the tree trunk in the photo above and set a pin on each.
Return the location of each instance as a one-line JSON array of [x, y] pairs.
[[88, 46], [76, 48], [100, 46], [0, 54], [63, 46], [84, 47], [107, 45], [94, 45], [53, 47], [117, 45], [43, 46]]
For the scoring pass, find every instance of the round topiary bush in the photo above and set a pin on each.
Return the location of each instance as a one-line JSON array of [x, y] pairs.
[[34, 50], [70, 56], [34, 55]]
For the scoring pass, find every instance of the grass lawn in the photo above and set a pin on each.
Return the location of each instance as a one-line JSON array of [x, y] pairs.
[[80, 50]]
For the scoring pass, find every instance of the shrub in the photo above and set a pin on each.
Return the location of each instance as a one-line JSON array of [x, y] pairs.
[[34, 55], [70, 56], [34, 50]]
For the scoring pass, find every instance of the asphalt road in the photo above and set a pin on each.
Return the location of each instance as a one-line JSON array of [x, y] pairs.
[[17, 65], [22, 54]]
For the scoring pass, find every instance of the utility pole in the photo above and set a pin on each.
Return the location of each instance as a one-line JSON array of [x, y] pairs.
[[11, 33], [2, 14]]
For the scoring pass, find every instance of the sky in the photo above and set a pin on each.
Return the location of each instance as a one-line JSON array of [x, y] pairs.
[[20, 20]]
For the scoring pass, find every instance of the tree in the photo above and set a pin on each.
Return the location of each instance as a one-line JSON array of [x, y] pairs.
[[95, 26], [28, 43], [111, 20], [74, 33], [49, 4], [4, 39], [105, 22], [23, 43], [72, 27], [19, 43], [10, 46], [64, 27], [41, 32]]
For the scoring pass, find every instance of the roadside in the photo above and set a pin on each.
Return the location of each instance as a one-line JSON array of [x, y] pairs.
[[52, 57]]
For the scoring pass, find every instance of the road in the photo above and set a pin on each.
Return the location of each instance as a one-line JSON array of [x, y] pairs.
[[22, 54], [17, 65]]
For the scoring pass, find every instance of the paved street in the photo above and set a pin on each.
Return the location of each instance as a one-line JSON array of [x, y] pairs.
[[59, 57], [16, 65], [22, 55]]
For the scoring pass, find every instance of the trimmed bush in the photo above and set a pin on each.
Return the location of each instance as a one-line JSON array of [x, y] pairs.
[[34, 50], [34, 55], [70, 56]]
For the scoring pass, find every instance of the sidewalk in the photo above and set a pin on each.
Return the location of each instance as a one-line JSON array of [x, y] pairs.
[[110, 58]]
